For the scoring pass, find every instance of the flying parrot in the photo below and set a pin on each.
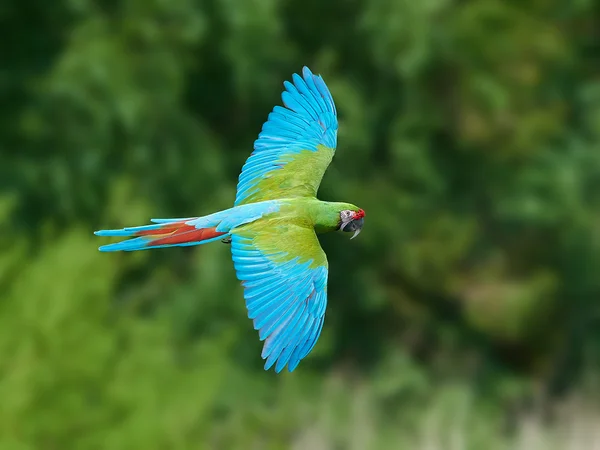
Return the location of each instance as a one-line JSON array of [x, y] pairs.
[[272, 227]]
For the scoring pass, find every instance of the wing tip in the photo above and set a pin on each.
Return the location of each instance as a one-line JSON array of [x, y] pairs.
[[306, 72], [291, 365]]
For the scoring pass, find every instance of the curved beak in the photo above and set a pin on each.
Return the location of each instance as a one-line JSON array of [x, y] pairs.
[[353, 225]]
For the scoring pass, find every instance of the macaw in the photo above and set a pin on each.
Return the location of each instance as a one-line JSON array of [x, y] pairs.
[[273, 224]]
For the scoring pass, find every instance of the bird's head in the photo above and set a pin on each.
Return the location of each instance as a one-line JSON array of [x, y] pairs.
[[352, 221]]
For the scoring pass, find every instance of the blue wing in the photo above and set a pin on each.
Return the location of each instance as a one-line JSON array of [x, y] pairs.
[[295, 146], [286, 295]]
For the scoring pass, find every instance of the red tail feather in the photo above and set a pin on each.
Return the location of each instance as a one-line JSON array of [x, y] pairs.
[[178, 233]]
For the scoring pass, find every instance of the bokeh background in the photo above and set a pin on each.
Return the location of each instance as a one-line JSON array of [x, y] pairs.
[[465, 316]]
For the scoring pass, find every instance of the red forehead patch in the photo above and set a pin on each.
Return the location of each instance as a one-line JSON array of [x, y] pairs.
[[359, 214]]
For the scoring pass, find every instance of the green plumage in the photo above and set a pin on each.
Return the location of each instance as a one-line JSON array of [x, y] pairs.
[[293, 228], [299, 175]]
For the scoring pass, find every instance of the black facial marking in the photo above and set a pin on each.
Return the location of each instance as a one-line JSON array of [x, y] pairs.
[[354, 225]]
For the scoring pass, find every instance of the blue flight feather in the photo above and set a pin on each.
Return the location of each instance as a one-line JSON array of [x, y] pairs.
[[287, 301]]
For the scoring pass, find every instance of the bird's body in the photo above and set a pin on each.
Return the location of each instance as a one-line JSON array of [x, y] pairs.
[[273, 224], [303, 212]]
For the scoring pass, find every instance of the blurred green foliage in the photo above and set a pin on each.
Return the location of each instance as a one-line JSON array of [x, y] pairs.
[[469, 132]]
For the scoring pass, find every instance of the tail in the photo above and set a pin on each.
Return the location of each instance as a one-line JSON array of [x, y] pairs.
[[164, 233], [186, 232]]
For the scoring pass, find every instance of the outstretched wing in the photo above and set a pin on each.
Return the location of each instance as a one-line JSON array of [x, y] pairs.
[[284, 273], [295, 146]]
